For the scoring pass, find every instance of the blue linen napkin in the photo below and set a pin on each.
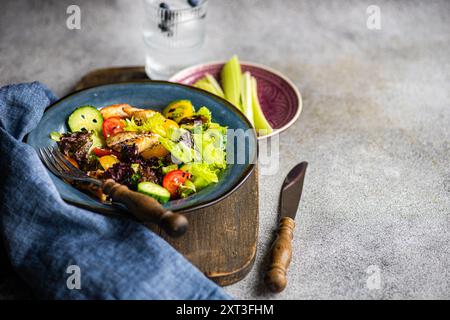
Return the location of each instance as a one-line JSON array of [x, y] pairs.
[[44, 236]]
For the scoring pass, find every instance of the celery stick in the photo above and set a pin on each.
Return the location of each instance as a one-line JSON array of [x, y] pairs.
[[205, 85], [213, 82], [246, 96], [261, 124], [231, 81]]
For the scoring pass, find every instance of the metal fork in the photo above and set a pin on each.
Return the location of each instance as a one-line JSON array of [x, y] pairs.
[[144, 208]]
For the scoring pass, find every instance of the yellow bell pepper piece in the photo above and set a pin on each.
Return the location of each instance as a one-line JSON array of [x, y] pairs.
[[108, 161]]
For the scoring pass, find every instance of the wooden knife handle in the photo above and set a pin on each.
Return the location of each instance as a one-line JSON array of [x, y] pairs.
[[146, 209], [280, 256]]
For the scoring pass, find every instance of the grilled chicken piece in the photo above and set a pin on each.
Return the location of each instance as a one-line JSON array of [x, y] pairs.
[[156, 150], [124, 110], [114, 141], [147, 143], [115, 110], [142, 114]]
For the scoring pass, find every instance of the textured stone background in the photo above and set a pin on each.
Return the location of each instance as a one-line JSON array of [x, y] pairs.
[[375, 126]]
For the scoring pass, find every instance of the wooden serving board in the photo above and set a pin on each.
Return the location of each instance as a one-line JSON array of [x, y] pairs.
[[221, 239]]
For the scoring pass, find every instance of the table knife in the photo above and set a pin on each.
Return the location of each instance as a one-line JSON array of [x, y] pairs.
[[281, 251]]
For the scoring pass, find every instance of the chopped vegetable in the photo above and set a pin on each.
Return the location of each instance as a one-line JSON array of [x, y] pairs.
[[202, 174], [87, 118], [97, 140], [76, 145], [167, 169], [231, 81], [201, 117], [178, 110], [191, 122], [259, 120], [204, 111], [55, 136], [108, 161], [246, 96], [179, 150], [173, 180], [99, 152], [154, 190], [211, 147], [187, 189], [112, 126], [122, 173], [155, 123]]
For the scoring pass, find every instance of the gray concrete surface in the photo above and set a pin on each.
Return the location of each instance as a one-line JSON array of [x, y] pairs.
[[375, 126]]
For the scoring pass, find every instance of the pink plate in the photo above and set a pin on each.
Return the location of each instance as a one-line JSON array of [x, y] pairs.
[[280, 100]]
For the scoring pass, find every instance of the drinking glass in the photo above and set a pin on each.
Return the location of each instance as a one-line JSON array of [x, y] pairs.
[[174, 33]]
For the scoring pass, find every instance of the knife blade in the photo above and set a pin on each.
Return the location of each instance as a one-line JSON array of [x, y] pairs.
[[291, 191], [281, 251]]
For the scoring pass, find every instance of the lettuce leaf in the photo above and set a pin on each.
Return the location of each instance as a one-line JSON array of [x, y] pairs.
[[204, 111], [154, 124], [202, 174], [179, 150]]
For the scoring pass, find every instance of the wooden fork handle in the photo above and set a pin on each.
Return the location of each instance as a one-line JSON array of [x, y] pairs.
[[146, 209], [280, 256]]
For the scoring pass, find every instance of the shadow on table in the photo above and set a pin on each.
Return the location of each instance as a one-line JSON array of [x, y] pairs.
[[12, 287]]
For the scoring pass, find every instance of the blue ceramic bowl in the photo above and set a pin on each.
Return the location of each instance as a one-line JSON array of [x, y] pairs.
[[152, 95]]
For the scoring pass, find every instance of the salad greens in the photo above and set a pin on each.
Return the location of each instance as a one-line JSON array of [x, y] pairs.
[[202, 173], [202, 148], [166, 156]]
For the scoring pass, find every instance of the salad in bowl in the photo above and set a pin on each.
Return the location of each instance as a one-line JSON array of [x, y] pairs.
[[166, 155]]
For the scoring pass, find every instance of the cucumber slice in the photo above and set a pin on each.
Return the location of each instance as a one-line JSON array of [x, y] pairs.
[[154, 190], [85, 117]]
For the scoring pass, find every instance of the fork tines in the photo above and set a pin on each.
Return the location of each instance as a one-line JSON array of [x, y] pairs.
[[57, 163]]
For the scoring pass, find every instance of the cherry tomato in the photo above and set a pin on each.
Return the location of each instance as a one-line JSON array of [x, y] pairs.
[[174, 179], [99, 152], [112, 125]]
